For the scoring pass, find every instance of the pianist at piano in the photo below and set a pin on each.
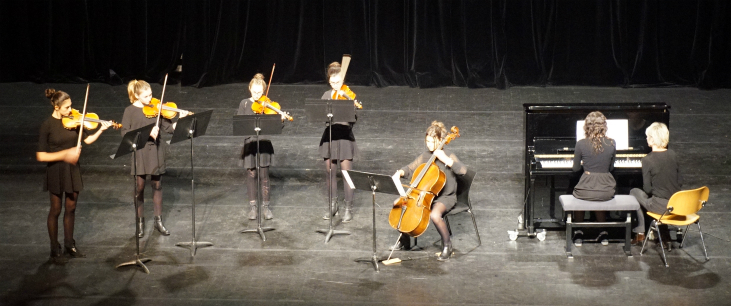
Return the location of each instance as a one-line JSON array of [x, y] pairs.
[[661, 179], [594, 154]]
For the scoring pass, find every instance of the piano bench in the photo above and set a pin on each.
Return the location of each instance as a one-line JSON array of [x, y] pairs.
[[625, 203]]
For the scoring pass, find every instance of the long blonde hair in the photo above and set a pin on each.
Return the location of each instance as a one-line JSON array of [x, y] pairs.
[[135, 87], [595, 128]]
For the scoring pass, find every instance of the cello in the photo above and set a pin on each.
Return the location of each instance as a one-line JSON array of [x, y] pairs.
[[410, 215]]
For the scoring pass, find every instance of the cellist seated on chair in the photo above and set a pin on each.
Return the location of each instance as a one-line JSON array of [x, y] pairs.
[[661, 179], [447, 197]]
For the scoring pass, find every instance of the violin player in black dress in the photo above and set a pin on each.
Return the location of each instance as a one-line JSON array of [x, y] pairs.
[[344, 148], [57, 146], [150, 159], [257, 88]]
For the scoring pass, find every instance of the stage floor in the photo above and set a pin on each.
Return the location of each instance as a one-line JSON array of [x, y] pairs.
[[294, 266]]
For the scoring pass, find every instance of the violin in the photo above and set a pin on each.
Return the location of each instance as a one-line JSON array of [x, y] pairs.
[[91, 121], [411, 214], [347, 95], [169, 109], [266, 106]]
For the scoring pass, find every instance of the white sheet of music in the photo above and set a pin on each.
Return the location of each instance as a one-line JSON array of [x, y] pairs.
[[617, 129]]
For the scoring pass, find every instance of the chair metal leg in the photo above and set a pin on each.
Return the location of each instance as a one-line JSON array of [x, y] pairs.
[[702, 241], [685, 233], [449, 228], [479, 241], [659, 238], [647, 236]]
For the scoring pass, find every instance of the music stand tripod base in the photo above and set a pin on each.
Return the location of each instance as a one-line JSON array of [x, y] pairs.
[[260, 231], [193, 245], [140, 262]]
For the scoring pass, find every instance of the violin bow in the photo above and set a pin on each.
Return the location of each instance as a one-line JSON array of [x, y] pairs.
[[343, 70], [270, 80], [83, 116], [159, 110]]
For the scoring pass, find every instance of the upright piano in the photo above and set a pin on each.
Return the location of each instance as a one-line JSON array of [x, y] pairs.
[[550, 137]]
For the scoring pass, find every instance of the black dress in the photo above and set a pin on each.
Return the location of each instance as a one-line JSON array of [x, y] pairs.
[[151, 158], [596, 183], [448, 195], [248, 153], [343, 145], [61, 177], [661, 179]]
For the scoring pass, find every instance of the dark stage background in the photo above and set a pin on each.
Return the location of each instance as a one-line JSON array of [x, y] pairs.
[[413, 43]]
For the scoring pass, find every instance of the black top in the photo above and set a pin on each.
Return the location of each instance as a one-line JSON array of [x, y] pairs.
[[60, 176], [54, 137], [448, 194], [151, 158], [133, 118], [248, 152], [661, 174], [599, 162]]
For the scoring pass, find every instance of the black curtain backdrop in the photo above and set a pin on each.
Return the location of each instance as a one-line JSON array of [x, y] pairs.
[[480, 43]]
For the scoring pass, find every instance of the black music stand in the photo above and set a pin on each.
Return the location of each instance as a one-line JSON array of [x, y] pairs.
[[256, 125], [373, 182], [190, 127], [131, 142], [330, 111]]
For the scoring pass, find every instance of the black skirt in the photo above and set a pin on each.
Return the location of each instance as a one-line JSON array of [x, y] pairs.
[[62, 177], [343, 143]]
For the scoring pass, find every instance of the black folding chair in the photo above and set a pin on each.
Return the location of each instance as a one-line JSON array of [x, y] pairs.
[[464, 182]]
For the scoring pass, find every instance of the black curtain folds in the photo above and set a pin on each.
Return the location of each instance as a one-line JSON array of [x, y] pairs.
[[485, 43]]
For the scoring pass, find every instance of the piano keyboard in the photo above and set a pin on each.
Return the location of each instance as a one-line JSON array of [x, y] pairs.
[[565, 161]]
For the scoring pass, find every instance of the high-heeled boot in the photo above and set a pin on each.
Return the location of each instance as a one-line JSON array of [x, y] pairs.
[[252, 210], [141, 227], [446, 252], [348, 215], [71, 249], [265, 210], [57, 253], [161, 227], [333, 210]]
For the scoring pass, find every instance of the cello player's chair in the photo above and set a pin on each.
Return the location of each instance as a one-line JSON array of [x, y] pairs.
[[681, 210], [464, 182]]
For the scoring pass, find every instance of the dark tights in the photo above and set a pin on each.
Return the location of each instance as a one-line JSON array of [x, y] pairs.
[[332, 179], [68, 217], [601, 216], [156, 185], [437, 212], [251, 183]]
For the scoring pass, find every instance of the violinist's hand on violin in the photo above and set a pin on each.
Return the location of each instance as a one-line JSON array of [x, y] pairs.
[[155, 131], [184, 113], [105, 125], [71, 155], [443, 157]]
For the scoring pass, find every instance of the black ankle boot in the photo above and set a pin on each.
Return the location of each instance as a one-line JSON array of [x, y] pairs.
[[446, 252], [72, 251], [141, 227], [161, 227], [333, 210], [57, 254]]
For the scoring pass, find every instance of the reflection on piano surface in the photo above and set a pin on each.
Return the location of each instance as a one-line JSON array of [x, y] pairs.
[[566, 161], [550, 137]]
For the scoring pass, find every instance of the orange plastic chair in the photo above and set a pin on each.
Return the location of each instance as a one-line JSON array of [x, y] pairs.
[[681, 211]]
